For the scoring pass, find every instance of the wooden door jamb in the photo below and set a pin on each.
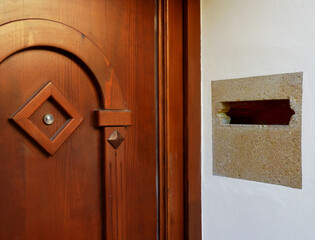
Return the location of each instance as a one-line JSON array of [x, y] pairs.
[[179, 107]]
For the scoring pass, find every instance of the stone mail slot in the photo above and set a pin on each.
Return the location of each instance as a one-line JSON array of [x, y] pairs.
[[256, 128]]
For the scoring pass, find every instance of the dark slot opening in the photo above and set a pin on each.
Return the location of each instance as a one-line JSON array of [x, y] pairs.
[[263, 112]]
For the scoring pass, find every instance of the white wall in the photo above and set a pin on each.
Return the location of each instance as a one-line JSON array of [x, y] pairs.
[[243, 38]]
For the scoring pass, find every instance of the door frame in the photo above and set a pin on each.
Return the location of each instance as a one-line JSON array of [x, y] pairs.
[[179, 94]]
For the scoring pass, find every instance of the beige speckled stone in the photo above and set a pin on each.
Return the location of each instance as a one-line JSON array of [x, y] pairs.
[[263, 153]]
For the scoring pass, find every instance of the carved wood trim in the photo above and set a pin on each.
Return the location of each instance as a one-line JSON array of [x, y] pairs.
[[115, 187], [179, 119], [21, 118], [171, 149], [192, 126], [110, 118], [39, 32]]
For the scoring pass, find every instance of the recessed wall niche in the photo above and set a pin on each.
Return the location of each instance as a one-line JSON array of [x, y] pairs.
[[256, 128]]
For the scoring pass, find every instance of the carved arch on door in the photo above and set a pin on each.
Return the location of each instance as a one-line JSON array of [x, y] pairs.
[[29, 33]]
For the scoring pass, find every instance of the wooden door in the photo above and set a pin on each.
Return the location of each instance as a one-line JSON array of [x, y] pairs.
[[77, 120]]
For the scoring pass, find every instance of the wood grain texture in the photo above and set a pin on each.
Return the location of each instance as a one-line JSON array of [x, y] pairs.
[[60, 117], [116, 187], [42, 196], [171, 119], [192, 106], [51, 145], [108, 118], [175, 148], [161, 51], [39, 32], [64, 196]]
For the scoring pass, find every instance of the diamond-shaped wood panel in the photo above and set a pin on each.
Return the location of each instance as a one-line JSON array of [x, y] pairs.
[[51, 145]]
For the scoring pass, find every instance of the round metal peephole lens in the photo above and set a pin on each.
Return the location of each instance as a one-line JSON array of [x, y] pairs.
[[48, 119]]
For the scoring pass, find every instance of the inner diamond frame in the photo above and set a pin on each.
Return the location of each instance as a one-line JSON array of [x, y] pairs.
[[21, 118]]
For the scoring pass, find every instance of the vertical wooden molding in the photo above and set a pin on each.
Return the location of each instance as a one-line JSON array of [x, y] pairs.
[[179, 107], [115, 186], [192, 79], [171, 119], [162, 108]]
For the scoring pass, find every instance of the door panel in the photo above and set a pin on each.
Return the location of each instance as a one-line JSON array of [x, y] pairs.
[[42, 196], [98, 55]]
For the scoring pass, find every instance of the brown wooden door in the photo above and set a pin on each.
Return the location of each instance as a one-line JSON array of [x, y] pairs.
[[87, 170]]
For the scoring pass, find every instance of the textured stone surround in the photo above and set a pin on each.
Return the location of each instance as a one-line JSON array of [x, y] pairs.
[[263, 153]]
